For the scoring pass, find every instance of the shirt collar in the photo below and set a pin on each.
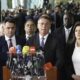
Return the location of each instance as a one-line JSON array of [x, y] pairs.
[[45, 37], [7, 38], [27, 36], [68, 28]]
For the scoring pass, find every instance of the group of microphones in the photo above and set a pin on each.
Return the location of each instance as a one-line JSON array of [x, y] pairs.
[[25, 61]]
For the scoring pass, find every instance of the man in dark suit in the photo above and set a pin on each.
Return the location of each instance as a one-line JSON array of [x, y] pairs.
[[30, 29], [64, 34], [46, 41], [9, 33]]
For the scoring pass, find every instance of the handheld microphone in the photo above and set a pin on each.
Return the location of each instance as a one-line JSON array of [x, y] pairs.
[[32, 50], [12, 53], [26, 59], [19, 53], [25, 50], [12, 50], [18, 49], [48, 66], [40, 62]]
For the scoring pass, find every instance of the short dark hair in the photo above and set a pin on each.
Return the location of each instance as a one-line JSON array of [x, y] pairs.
[[45, 16], [10, 19]]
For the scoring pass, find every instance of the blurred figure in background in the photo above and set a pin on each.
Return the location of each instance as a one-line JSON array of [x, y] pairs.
[[30, 29], [1, 29], [57, 15]]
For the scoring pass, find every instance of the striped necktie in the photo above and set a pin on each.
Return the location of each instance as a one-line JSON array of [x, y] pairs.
[[10, 43]]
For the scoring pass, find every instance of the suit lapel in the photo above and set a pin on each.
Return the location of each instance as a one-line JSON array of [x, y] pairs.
[[37, 41], [71, 34], [48, 42], [5, 45], [64, 36]]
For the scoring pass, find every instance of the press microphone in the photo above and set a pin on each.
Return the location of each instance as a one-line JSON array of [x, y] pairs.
[[19, 53], [26, 59], [25, 50], [32, 50], [12, 51], [18, 49], [41, 62], [11, 55], [48, 66]]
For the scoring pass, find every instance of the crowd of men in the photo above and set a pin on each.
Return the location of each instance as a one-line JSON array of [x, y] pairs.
[[31, 27]]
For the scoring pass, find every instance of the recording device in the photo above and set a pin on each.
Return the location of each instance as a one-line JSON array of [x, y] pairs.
[[11, 59], [26, 61]]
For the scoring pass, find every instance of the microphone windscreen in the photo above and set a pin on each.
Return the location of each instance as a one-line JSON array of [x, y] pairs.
[[48, 66], [25, 50], [32, 50], [18, 49], [12, 50]]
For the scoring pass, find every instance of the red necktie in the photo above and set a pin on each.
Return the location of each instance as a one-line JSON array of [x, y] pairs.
[[10, 43]]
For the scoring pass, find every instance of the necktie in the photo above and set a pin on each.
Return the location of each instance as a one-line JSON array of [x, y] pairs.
[[42, 42], [67, 34], [10, 43]]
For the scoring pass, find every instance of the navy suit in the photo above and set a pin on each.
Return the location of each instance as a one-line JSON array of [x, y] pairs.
[[52, 51], [4, 50]]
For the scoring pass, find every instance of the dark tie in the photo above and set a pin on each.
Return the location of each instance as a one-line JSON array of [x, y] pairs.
[[10, 43], [42, 42]]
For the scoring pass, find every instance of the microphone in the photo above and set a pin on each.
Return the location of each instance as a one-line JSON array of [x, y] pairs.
[[25, 50], [12, 51], [41, 62], [18, 49], [19, 53], [26, 58], [19, 57], [48, 66], [37, 59], [32, 50], [11, 55]]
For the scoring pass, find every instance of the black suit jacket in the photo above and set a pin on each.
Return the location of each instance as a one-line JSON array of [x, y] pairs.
[[60, 35], [68, 60], [4, 50], [52, 51]]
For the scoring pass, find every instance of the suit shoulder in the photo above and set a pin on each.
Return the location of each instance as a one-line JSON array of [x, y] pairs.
[[2, 38]]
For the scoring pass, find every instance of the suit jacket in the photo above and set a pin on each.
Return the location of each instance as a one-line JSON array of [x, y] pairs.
[[4, 50], [52, 51], [68, 60], [60, 35]]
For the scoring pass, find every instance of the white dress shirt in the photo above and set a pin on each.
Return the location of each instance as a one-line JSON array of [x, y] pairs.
[[45, 38], [76, 59], [67, 32], [27, 36], [13, 40]]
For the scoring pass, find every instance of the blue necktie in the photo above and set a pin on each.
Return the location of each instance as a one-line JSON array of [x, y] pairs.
[[42, 42]]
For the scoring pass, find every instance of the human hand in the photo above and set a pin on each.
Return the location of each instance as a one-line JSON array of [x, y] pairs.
[[76, 77]]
